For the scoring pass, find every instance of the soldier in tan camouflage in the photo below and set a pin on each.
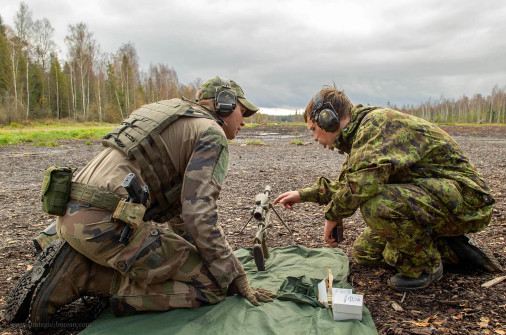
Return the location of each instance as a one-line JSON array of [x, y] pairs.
[[418, 193], [179, 149]]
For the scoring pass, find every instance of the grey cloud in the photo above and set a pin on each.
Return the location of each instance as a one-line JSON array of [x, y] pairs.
[[282, 52]]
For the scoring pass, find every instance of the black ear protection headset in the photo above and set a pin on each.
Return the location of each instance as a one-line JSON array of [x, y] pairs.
[[225, 101], [326, 118]]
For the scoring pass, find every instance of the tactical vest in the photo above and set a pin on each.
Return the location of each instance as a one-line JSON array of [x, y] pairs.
[[138, 137]]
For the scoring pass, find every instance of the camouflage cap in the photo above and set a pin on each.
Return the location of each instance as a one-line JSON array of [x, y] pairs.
[[214, 86]]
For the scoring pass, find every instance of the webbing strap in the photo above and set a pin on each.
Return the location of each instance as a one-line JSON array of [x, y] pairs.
[[94, 196], [151, 179], [156, 163]]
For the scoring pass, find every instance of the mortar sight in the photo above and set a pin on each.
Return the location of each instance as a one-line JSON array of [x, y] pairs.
[[261, 204]]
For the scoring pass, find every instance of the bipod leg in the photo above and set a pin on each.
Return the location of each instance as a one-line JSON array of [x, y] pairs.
[[258, 255], [280, 219], [251, 217]]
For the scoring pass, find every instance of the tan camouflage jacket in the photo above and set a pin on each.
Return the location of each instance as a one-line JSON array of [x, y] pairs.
[[384, 146], [198, 149]]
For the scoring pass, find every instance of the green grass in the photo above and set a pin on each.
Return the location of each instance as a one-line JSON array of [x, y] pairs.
[[254, 142], [297, 142], [48, 144], [16, 134], [274, 124], [251, 125], [470, 124]]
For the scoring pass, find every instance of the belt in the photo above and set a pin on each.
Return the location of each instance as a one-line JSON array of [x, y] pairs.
[[94, 196]]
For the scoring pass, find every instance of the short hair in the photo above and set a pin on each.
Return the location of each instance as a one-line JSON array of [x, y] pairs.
[[207, 102], [342, 105]]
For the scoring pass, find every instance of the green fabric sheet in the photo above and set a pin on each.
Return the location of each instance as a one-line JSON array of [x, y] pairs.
[[237, 316]]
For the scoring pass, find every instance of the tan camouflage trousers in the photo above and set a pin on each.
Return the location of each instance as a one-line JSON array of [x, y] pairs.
[[156, 271], [407, 225]]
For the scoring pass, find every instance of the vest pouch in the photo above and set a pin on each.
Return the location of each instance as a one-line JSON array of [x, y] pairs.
[[130, 213], [56, 189]]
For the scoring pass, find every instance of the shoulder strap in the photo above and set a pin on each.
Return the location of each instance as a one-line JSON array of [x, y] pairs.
[[138, 137]]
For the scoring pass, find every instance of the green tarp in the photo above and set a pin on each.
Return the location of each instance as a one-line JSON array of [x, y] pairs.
[[237, 316]]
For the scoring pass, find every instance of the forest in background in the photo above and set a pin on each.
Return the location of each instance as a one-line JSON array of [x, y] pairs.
[[91, 85]]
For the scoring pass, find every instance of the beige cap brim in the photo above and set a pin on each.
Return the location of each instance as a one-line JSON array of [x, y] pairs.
[[250, 108]]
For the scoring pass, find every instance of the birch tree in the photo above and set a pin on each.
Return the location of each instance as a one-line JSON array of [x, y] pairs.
[[81, 46], [127, 65], [24, 28]]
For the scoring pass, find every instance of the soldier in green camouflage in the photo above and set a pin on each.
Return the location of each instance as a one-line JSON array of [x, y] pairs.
[[418, 193], [179, 149]]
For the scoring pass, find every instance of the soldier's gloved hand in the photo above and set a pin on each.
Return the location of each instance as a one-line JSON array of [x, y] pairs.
[[241, 287]]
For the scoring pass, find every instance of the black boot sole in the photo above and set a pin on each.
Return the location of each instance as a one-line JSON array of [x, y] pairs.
[[57, 268], [18, 303]]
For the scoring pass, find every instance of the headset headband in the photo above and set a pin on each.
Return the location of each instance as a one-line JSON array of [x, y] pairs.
[[317, 105], [225, 82], [317, 102]]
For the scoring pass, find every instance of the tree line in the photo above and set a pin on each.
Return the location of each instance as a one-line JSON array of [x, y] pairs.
[[89, 85], [92, 85], [475, 109]]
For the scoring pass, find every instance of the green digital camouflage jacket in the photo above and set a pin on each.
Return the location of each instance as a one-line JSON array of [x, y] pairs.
[[384, 146]]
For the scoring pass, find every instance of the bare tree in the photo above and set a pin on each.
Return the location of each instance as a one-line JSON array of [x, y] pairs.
[[24, 29], [43, 44], [80, 50], [15, 50], [196, 85], [43, 47], [127, 64], [100, 69]]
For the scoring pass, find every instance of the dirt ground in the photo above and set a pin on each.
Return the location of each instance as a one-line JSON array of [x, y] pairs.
[[455, 305]]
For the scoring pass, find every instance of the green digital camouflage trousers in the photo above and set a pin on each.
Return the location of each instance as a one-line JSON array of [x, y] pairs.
[[156, 271], [407, 225]]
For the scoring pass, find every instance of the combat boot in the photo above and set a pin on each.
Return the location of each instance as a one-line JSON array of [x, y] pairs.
[[403, 283], [18, 302], [473, 254], [71, 276]]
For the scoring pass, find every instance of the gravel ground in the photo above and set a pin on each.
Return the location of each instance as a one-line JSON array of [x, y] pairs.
[[455, 305]]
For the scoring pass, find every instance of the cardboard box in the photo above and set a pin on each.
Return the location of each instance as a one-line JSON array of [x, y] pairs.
[[346, 306], [338, 316]]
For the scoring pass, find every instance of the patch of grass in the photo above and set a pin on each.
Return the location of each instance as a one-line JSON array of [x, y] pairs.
[[88, 143], [50, 134], [47, 144], [254, 142], [471, 124], [297, 142], [281, 123], [445, 124], [251, 125]]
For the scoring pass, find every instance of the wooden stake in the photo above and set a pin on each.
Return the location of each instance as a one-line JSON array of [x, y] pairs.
[[493, 282]]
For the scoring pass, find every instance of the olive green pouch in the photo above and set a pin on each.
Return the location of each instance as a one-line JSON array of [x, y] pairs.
[[56, 189]]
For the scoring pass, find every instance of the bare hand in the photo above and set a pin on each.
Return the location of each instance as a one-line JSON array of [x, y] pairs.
[[327, 232], [288, 199]]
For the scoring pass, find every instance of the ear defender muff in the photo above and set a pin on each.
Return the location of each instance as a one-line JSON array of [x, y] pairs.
[[225, 101], [326, 118]]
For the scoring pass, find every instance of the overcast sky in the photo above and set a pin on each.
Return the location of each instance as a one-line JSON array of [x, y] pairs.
[[282, 52]]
